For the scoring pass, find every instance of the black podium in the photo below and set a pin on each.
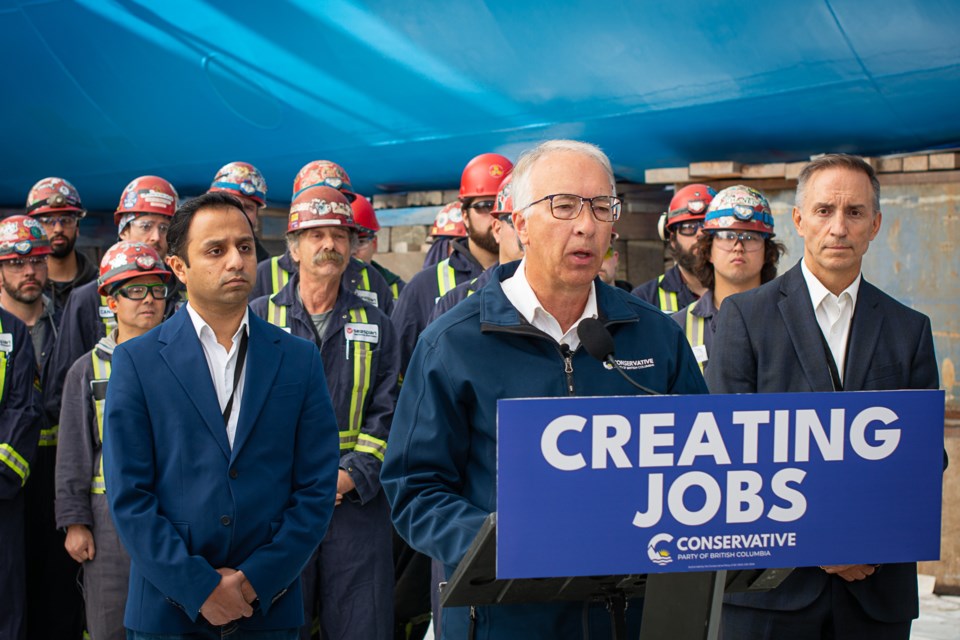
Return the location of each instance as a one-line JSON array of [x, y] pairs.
[[680, 606]]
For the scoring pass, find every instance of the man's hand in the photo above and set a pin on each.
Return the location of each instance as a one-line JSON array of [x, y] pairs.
[[345, 485], [850, 572], [79, 543], [226, 604]]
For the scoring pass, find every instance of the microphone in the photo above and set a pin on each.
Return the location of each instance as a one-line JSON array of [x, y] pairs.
[[598, 342]]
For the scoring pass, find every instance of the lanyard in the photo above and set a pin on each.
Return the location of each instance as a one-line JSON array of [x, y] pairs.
[[241, 355]]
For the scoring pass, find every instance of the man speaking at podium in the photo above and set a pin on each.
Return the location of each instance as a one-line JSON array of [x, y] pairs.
[[517, 338]]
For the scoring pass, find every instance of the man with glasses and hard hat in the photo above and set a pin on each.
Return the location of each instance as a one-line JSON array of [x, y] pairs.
[[517, 338], [680, 226]]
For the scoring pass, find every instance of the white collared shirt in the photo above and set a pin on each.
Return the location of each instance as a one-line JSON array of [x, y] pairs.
[[834, 313], [222, 365], [521, 295]]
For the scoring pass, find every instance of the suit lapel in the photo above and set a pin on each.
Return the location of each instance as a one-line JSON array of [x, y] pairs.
[[184, 355], [864, 334], [263, 364], [798, 316]]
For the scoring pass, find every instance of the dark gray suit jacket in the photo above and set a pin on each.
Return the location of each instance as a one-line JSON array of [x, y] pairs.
[[768, 341]]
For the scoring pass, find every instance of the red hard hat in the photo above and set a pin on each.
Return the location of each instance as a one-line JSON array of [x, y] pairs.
[[504, 197], [52, 196], [320, 207], [364, 215], [22, 236], [690, 203], [241, 179], [147, 194], [323, 173], [449, 222], [126, 261], [483, 174]]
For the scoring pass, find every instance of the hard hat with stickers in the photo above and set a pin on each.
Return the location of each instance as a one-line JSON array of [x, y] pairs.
[[147, 195], [241, 179], [22, 236], [320, 207], [323, 173], [52, 196], [449, 222], [739, 208], [127, 260], [482, 175]]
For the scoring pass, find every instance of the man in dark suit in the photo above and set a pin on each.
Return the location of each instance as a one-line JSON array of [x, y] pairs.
[[221, 483], [821, 327]]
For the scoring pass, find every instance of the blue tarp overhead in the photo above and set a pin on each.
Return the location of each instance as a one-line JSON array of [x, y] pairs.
[[402, 93]]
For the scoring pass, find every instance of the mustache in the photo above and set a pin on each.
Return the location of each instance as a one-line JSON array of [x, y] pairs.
[[323, 256]]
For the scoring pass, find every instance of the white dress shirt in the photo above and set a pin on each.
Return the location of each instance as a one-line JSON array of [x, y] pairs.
[[834, 313], [521, 295], [222, 365]]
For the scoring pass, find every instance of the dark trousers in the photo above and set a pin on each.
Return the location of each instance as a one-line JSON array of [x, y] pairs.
[[12, 570], [834, 615]]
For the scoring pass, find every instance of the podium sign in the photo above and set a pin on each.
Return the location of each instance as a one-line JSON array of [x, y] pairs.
[[655, 484]]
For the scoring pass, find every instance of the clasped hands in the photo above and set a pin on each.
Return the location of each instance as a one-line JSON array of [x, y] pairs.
[[231, 600], [851, 572]]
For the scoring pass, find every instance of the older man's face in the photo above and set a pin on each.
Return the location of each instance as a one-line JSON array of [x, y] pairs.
[[564, 255]]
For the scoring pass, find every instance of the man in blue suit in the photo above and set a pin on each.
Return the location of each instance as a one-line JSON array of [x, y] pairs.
[[220, 451], [822, 327]]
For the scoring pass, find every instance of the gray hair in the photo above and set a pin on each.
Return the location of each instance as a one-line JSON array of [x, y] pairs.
[[837, 161], [522, 197], [293, 239]]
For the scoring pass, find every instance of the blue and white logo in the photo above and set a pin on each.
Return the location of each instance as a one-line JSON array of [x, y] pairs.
[[658, 551]]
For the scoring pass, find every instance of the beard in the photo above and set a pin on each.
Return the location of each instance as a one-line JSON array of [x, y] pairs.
[[62, 250], [24, 297], [485, 241], [686, 258]]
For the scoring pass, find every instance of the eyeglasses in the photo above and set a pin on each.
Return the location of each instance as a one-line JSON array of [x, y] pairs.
[[67, 222], [688, 228], [147, 226], [750, 240], [482, 206], [19, 264], [567, 206], [506, 218], [139, 291], [366, 239]]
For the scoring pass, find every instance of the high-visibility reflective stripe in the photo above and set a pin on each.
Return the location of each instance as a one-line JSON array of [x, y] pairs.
[[395, 290], [668, 299], [374, 446], [49, 437], [109, 323], [276, 314], [446, 277], [101, 371], [694, 327], [362, 357], [3, 370], [365, 277], [279, 277], [19, 464], [348, 440]]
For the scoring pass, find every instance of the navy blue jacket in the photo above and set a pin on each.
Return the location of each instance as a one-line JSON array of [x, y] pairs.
[[768, 341], [185, 503], [440, 469], [358, 277], [672, 283], [364, 392], [19, 405], [415, 306]]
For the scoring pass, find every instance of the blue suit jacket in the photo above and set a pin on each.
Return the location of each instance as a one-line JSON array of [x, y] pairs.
[[185, 504], [768, 341]]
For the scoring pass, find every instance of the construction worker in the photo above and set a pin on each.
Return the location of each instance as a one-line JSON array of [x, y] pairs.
[[608, 268], [509, 248], [447, 227], [56, 204], [273, 274], [479, 184], [736, 252], [19, 430], [135, 283], [23, 280], [246, 183], [367, 228], [680, 226], [350, 578]]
